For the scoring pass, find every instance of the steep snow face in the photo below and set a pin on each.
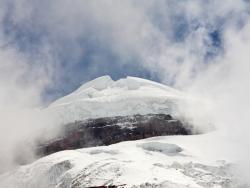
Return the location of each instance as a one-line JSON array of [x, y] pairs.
[[104, 97]]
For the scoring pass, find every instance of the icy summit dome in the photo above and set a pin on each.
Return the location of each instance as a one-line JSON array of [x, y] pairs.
[[131, 83], [104, 97]]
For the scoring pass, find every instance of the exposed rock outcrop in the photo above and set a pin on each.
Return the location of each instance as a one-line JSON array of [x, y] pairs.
[[111, 130]]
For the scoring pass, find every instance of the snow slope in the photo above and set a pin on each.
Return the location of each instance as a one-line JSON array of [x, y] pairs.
[[104, 97], [166, 162]]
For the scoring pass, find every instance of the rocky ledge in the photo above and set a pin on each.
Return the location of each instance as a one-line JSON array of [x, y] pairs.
[[111, 130]]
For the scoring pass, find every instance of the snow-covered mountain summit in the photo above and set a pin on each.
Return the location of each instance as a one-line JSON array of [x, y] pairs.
[[104, 97], [190, 161]]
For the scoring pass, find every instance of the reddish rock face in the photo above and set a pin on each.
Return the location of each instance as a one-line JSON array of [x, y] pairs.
[[111, 130]]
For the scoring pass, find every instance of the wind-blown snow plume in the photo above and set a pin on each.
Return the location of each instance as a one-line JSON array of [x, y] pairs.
[[49, 47]]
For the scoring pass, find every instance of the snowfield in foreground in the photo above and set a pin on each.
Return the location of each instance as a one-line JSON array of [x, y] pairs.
[[168, 161]]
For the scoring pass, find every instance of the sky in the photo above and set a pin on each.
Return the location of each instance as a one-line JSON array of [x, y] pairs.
[[49, 48], [73, 42]]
